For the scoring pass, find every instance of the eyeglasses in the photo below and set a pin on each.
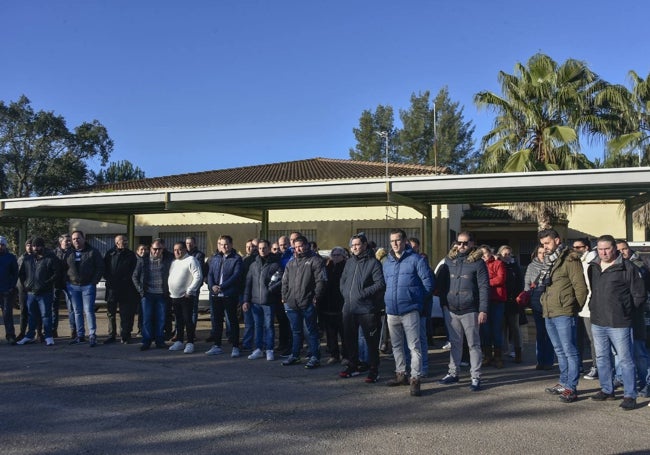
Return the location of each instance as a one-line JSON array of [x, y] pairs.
[[462, 243], [579, 247]]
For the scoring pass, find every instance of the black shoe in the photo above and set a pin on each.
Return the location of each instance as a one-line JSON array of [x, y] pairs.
[[291, 361], [109, 340], [78, 340], [161, 346], [93, 341], [373, 376], [145, 347], [363, 367], [628, 404], [12, 341], [210, 339], [126, 340], [55, 333], [286, 354], [602, 396]]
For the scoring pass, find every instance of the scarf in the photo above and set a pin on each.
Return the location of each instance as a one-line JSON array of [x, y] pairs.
[[549, 261]]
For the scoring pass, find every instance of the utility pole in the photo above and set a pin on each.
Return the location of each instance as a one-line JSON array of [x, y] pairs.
[[384, 135]]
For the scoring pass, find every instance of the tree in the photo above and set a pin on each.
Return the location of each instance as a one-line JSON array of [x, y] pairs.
[[542, 113], [370, 142], [627, 123], [40, 156], [119, 171], [436, 135], [428, 136]]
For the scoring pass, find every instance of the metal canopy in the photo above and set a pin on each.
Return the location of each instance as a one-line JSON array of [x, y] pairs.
[[629, 185]]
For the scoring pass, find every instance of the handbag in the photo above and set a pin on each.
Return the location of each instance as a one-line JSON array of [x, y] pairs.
[[523, 299]]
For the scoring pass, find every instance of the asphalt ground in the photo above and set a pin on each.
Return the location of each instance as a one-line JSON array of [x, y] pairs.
[[115, 399]]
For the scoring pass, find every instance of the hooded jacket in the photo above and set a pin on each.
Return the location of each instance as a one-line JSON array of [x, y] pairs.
[[565, 289], [304, 281], [616, 292], [408, 282], [362, 284], [464, 282]]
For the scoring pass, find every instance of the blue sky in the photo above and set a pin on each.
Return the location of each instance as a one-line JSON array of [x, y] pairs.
[[211, 84]]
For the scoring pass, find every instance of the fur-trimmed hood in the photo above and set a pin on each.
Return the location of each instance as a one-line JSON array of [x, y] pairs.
[[473, 255]]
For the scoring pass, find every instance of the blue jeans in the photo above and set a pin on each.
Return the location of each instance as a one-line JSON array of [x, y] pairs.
[[621, 340], [641, 362], [83, 302], [543, 346], [492, 330], [264, 332], [7, 304], [153, 315], [63, 293], [297, 318], [40, 309], [562, 332]]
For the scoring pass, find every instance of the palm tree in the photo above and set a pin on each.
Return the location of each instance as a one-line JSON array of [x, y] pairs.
[[627, 114], [542, 113]]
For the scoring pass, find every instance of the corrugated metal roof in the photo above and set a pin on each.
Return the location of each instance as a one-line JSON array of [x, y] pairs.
[[313, 169]]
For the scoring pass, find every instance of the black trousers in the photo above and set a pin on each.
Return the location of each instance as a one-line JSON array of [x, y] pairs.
[[184, 313], [127, 301], [371, 326], [333, 326], [225, 306]]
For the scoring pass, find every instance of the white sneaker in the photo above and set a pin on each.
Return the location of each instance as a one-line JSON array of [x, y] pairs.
[[215, 350], [256, 354], [447, 346], [189, 348], [49, 341], [235, 352], [177, 346], [269, 355], [26, 341]]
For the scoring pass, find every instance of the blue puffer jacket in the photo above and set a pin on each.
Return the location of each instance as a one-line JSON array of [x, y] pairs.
[[230, 267], [408, 282]]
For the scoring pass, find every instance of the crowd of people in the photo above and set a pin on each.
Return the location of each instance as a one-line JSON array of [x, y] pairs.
[[365, 299]]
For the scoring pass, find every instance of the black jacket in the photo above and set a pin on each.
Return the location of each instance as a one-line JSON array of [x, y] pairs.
[[362, 284], [84, 267], [463, 282], [39, 276], [264, 281], [118, 271], [304, 281], [615, 293]]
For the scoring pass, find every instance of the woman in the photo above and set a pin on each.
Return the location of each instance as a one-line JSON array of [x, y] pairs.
[[514, 285], [544, 347], [492, 331]]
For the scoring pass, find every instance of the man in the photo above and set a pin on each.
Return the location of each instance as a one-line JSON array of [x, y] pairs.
[[464, 289], [617, 289], [119, 264], [330, 312], [284, 328], [565, 292], [262, 291], [8, 280], [193, 250], [224, 282], [184, 282], [492, 331], [38, 274], [150, 278], [303, 287], [22, 295], [638, 321], [583, 248], [362, 287], [85, 267], [249, 323], [409, 283], [63, 249], [425, 318]]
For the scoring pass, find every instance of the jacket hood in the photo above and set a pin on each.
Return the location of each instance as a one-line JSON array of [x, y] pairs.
[[473, 254]]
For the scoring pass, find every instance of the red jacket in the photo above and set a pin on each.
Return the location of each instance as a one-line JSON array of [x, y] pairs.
[[497, 273]]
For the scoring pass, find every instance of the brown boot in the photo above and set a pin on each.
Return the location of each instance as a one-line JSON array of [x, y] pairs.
[[487, 356], [415, 387], [517, 355], [400, 379], [498, 361]]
